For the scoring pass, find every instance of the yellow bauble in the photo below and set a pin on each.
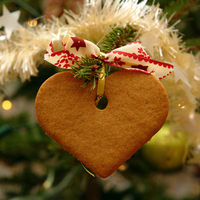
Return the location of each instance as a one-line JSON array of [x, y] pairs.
[[166, 151]]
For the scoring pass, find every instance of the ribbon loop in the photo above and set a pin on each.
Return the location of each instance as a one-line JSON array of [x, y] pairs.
[[129, 57]]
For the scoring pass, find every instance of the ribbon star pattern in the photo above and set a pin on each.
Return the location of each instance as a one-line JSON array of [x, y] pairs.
[[129, 57]]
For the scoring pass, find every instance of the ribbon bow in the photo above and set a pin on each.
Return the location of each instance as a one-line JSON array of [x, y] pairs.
[[130, 57]]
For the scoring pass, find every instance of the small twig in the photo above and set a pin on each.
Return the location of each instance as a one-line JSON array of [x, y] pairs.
[[177, 15], [193, 48]]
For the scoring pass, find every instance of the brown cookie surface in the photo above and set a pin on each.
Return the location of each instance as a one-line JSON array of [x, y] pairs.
[[102, 139]]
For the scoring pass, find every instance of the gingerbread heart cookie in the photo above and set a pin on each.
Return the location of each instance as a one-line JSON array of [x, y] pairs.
[[102, 139]]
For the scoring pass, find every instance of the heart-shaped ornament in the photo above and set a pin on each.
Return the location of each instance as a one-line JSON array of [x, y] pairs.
[[102, 139]]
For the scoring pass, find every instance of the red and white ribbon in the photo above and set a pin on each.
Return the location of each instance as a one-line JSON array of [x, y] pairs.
[[130, 57]]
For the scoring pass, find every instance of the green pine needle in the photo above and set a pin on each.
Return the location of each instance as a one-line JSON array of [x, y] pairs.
[[88, 69], [118, 37]]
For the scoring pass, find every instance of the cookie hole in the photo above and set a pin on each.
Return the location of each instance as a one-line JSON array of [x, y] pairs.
[[102, 103]]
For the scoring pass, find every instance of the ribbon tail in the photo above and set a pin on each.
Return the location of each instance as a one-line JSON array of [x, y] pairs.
[[160, 69]]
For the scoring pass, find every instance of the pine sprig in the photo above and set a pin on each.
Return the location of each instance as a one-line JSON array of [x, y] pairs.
[[119, 36], [89, 69]]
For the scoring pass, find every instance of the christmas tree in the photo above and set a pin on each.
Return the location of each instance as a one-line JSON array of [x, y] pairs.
[[32, 165]]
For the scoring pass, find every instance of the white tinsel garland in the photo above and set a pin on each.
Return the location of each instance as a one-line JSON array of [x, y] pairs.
[[23, 52]]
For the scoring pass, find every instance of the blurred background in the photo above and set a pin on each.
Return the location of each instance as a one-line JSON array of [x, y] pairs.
[[32, 166]]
